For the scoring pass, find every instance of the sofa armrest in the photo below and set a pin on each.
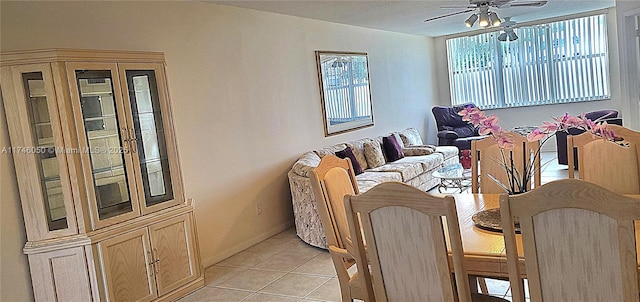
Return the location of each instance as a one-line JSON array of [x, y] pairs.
[[447, 134], [305, 164]]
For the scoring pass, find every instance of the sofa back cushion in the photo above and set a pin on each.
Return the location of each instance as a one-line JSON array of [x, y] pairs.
[[322, 152], [411, 137]]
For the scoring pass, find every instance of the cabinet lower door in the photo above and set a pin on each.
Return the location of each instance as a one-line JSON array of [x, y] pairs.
[[174, 253], [126, 268]]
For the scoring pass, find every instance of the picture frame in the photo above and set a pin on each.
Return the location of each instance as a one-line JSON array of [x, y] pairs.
[[344, 91]]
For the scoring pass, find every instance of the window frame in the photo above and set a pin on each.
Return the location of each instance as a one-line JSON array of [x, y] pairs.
[[499, 88]]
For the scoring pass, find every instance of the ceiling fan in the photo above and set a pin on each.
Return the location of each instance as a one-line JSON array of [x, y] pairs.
[[507, 31], [482, 13]]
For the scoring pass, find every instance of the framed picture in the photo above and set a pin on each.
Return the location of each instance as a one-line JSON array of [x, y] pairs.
[[344, 91]]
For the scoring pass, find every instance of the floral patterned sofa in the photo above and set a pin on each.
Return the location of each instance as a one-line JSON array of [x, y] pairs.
[[415, 168]]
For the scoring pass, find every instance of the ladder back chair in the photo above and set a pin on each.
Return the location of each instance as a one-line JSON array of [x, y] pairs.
[[605, 163], [578, 241], [487, 159], [406, 245], [331, 181]]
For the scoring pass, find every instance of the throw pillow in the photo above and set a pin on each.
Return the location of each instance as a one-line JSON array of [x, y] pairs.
[[373, 154], [411, 137], [347, 152], [392, 148]]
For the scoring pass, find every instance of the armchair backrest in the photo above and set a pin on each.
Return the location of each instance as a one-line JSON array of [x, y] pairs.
[[557, 221], [608, 164], [331, 181], [487, 159], [447, 118], [407, 251]]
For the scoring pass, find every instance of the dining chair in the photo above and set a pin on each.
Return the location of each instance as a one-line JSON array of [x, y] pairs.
[[578, 241], [331, 181], [605, 163], [487, 159], [404, 230]]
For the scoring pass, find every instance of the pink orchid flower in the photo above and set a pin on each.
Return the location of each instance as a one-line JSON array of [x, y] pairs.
[[489, 125], [548, 127], [505, 142], [536, 135]]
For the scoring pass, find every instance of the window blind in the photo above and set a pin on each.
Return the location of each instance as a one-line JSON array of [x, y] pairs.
[[558, 62]]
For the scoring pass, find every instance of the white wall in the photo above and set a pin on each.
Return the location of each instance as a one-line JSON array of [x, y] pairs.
[[626, 11], [245, 97], [533, 116]]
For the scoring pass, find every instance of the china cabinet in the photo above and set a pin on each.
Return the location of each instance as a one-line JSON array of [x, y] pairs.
[[100, 183]]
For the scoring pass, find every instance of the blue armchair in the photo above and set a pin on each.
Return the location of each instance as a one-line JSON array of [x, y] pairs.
[[452, 130]]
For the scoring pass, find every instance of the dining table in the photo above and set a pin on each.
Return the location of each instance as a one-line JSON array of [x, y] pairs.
[[484, 251]]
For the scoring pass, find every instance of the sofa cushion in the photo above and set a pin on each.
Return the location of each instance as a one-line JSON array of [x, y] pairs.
[[392, 148], [358, 150], [418, 150], [447, 151], [373, 153], [428, 162], [306, 163], [322, 152], [347, 152], [369, 179], [407, 169], [411, 137]]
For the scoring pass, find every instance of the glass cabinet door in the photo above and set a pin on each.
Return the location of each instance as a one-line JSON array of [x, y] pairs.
[[45, 150], [107, 139], [150, 145], [153, 149]]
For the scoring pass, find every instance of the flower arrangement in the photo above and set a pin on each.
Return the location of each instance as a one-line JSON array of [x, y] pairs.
[[519, 180]]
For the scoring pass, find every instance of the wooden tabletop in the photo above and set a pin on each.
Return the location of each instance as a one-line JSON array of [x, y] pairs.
[[484, 250]]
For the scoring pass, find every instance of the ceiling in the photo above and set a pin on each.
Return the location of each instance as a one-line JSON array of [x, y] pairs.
[[408, 16]]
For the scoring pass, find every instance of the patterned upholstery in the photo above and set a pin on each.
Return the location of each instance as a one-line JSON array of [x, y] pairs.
[[415, 170]]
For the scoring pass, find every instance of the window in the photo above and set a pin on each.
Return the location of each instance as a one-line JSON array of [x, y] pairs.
[[558, 62]]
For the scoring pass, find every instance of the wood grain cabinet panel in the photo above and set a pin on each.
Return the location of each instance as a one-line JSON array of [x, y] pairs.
[[172, 242], [99, 176], [128, 273]]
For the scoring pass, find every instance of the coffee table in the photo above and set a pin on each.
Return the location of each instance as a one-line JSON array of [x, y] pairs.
[[453, 176]]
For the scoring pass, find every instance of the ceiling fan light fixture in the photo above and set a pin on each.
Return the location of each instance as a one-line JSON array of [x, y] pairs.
[[512, 36], [495, 20], [502, 37], [471, 20], [484, 19]]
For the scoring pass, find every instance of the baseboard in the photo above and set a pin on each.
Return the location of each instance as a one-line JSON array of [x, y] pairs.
[[247, 244]]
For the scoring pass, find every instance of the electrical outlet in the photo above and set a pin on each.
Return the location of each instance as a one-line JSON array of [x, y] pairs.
[[258, 208]]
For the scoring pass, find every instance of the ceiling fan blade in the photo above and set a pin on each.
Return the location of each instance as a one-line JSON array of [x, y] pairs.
[[449, 15], [457, 6], [526, 3]]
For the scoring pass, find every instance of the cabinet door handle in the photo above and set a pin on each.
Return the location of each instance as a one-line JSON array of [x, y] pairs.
[[157, 261], [151, 264], [125, 139], [133, 140]]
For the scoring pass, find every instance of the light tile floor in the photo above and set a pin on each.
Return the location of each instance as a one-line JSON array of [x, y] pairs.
[[283, 268]]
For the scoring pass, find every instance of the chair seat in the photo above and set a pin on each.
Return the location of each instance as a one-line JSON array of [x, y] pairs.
[[475, 297]]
